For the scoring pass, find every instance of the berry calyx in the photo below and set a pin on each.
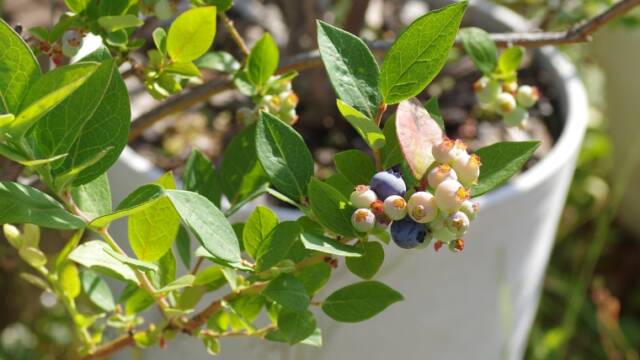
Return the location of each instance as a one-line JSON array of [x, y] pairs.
[[422, 207], [456, 245], [395, 207], [437, 245], [363, 220], [362, 196], [442, 152]]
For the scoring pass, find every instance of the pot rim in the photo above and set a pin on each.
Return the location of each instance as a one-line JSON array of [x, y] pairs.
[[573, 98]]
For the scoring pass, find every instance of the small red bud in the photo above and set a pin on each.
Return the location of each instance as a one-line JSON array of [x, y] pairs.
[[437, 245]]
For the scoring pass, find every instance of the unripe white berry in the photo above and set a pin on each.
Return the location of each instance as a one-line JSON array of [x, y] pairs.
[[527, 96], [395, 207], [506, 102], [458, 223], [510, 87], [468, 173], [422, 207], [362, 196], [443, 151], [517, 117], [73, 38], [13, 235], [487, 91], [450, 195], [439, 174], [470, 208], [443, 234], [363, 220]]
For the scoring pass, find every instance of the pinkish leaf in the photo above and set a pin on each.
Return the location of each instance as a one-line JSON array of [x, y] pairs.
[[417, 134]]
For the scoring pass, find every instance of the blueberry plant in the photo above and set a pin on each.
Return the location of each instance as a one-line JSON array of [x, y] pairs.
[[68, 125]]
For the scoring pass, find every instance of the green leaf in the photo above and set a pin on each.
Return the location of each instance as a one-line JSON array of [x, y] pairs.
[[210, 276], [419, 53], [260, 224], [46, 93], [284, 156], [417, 133], [142, 198], [366, 128], [191, 34], [510, 60], [92, 254], [138, 302], [340, 183], [118, 22], [240, 171], [97, 117], [207, 224], [263, 60], [167, 269], [97, 290], [19, 69], [296, 325], [481, 49], [26, 205], [351, 67], [315, 339], [134, 263], [331, 207], [355, 165], [360, 301], [500, 162], [287, 291], [314, 277], [391, 153], [185, 69], [183, 245], [321, 243], [434, 110], [94, 198], [160, 40], [369, 263], [277, 244], [219, 61], [200, 176], [153, 230], [77, 6], [179, 283]]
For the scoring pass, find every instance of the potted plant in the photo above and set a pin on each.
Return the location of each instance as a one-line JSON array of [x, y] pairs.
[[69, 125]]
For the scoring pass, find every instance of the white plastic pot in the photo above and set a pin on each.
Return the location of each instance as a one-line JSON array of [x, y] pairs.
[[617, 50], [478, 304]]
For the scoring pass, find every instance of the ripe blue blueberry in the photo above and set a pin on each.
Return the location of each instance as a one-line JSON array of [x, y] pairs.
[[387, 183], [407, 233]]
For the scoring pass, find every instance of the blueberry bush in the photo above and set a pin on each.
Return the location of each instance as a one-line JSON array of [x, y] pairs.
[[68, 125]]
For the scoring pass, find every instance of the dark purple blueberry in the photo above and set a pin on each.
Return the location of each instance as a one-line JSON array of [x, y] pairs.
[[407, 233], [387, 183]]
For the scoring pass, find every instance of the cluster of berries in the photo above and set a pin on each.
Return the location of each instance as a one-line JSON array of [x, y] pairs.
[[506, 99], [280, 100], [69, 45], [441, 209]]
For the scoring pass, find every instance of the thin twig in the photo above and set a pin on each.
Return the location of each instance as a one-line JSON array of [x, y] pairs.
[[235, 35], [580, 33]]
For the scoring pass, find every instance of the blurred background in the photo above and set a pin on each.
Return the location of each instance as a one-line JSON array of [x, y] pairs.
[[590, 307]]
